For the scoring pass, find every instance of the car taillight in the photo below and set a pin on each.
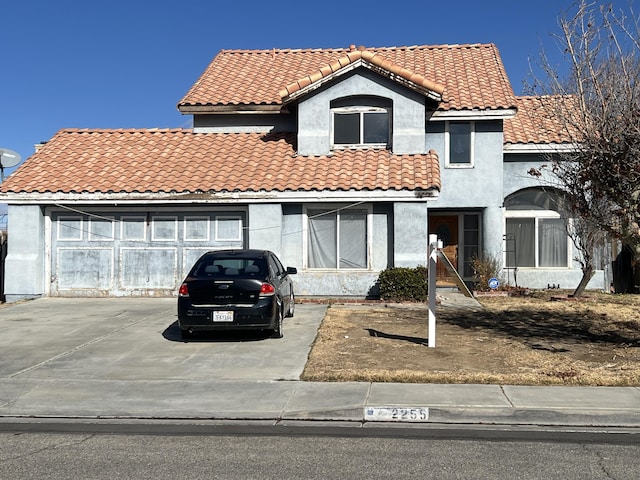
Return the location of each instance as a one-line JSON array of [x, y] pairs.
[[266, 290], [184, 290]]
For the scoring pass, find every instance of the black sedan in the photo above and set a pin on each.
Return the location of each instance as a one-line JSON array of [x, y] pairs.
[[236, 289]]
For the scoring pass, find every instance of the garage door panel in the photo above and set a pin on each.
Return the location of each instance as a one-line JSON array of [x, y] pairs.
[[144, 268], [101, 229], [84, 268], [190, 256]]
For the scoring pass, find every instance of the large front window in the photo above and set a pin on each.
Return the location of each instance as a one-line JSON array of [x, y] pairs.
[[536, 235], [337, 238], [536, 242]]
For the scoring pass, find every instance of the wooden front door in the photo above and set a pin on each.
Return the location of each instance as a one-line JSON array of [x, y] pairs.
[[446, 228]]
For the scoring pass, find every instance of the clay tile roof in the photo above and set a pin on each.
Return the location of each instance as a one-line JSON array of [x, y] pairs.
[[166, 161], [469, 76], [352, 57], [536, 122]]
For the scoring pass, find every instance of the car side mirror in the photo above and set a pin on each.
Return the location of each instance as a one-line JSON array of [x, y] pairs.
[[292, 270]]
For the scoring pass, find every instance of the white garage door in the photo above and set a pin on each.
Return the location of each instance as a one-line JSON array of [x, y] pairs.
[[97, 253]]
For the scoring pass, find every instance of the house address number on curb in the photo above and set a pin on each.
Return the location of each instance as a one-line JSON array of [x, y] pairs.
[[396, 414]]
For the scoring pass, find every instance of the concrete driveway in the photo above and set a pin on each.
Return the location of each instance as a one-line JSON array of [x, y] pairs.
[[123, 358], [123, 339]]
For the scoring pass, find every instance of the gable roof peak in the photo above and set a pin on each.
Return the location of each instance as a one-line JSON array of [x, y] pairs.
[[369, 59]]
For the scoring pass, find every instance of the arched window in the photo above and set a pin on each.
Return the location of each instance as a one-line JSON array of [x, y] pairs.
[[361, 122], [536, 235]]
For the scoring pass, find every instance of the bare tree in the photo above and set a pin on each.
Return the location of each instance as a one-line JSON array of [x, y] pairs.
[[583, 230], [595, 101]]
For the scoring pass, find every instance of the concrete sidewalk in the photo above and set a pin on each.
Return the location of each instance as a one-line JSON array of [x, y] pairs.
[[293, 401], [122, 358]]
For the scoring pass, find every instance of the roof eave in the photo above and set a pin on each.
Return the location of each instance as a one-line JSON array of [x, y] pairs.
[[475, 114], [190, 198], [190, 109], [291, 97], [539, 147]]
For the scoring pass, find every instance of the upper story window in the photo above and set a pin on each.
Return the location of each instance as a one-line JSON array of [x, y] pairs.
[[361, 122], [459, 145]]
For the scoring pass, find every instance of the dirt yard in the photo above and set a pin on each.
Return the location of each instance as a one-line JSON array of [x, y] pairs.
[[525, 340]]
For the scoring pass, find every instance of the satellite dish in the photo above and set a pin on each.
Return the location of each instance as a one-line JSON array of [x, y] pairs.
[[9, 158]]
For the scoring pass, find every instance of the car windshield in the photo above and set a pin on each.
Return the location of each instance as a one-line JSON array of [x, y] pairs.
[[220, 267]]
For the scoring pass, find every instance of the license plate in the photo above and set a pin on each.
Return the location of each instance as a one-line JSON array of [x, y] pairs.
[[224, 316]]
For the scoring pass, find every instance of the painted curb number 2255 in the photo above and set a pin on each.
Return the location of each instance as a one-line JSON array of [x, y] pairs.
[[396, 414]]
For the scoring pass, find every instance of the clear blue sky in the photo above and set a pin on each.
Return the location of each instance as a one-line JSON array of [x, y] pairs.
[[126, 63]]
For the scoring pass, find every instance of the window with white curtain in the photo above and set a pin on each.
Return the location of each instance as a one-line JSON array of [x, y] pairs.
[[536, 235], [337, 239], [552, 242], [521, 242]]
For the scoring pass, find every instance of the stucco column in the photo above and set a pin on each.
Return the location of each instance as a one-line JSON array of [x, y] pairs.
[[410, 234], [265, 227], [24, 265], [493, 232]]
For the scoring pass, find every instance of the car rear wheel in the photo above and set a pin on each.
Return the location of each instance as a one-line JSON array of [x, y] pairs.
[[277, 332], [292, 305]]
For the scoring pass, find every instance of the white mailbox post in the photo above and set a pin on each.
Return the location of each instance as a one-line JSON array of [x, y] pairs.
[[434, 245]]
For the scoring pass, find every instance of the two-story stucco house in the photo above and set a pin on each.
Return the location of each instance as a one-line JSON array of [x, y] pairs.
[[342, 161]]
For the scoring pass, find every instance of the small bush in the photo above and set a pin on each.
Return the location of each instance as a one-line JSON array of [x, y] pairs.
[[404, 284], [484, 269]]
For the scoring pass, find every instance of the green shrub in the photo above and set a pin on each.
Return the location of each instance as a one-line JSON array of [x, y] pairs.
[[403, 284], [484, 269]]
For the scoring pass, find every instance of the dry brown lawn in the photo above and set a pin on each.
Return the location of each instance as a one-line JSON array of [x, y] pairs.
[[527, 340]]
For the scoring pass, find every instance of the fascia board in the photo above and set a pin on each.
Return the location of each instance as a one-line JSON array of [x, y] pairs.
[[219, 198], [352, 66], [231, 109], [540, 147], [468, 115]]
